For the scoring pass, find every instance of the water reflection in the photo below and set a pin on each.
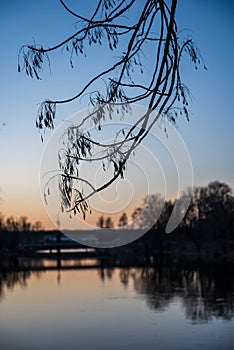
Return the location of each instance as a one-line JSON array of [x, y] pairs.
[[206, 291]]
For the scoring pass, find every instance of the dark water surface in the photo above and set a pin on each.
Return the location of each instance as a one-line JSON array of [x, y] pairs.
[[79, 305]]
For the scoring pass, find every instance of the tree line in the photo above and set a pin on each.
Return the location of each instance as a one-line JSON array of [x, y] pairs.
[[211, 207], [211, 211], [209, 218], [11, 224], [13, 231]]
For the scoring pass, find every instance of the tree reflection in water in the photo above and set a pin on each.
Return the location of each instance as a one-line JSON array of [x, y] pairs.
[[11, 274], [205, 291]]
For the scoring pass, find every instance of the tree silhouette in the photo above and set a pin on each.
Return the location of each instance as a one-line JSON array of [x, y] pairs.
[[100, 222], [145, 217], [123, 220], [37, 226], [105, 223], [149, 32], [11, 224], [216, 208], [2, 222], [213, 198], [109, 223]]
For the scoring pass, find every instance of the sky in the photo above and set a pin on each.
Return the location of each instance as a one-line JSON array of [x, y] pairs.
[[208, 135]]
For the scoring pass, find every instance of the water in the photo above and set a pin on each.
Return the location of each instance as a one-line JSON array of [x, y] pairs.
[[83, 306]]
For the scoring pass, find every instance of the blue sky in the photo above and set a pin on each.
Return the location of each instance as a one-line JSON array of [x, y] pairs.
[[208, 135]]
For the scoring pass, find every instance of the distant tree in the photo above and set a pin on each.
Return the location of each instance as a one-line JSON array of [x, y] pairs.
[[214, 197], [37, 226], [105, 223], [109, 223], [215, 206], [2, 222], [145, 217], [24, 225], [211, 211], [135, 214], [149, 32], [11, 224], [192, 211], [100, 222], [123, 220], [162, 221]]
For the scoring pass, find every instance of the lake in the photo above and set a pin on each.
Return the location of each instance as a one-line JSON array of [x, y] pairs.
[[69, 304]]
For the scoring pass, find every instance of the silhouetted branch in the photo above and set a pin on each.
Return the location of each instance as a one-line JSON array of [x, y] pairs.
[[164, 93]]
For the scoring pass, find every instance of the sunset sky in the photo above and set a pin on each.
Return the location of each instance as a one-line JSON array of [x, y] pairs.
[[208, 135]]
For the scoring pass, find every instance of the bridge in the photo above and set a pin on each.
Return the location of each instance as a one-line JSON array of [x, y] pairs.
[[50, 246]]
